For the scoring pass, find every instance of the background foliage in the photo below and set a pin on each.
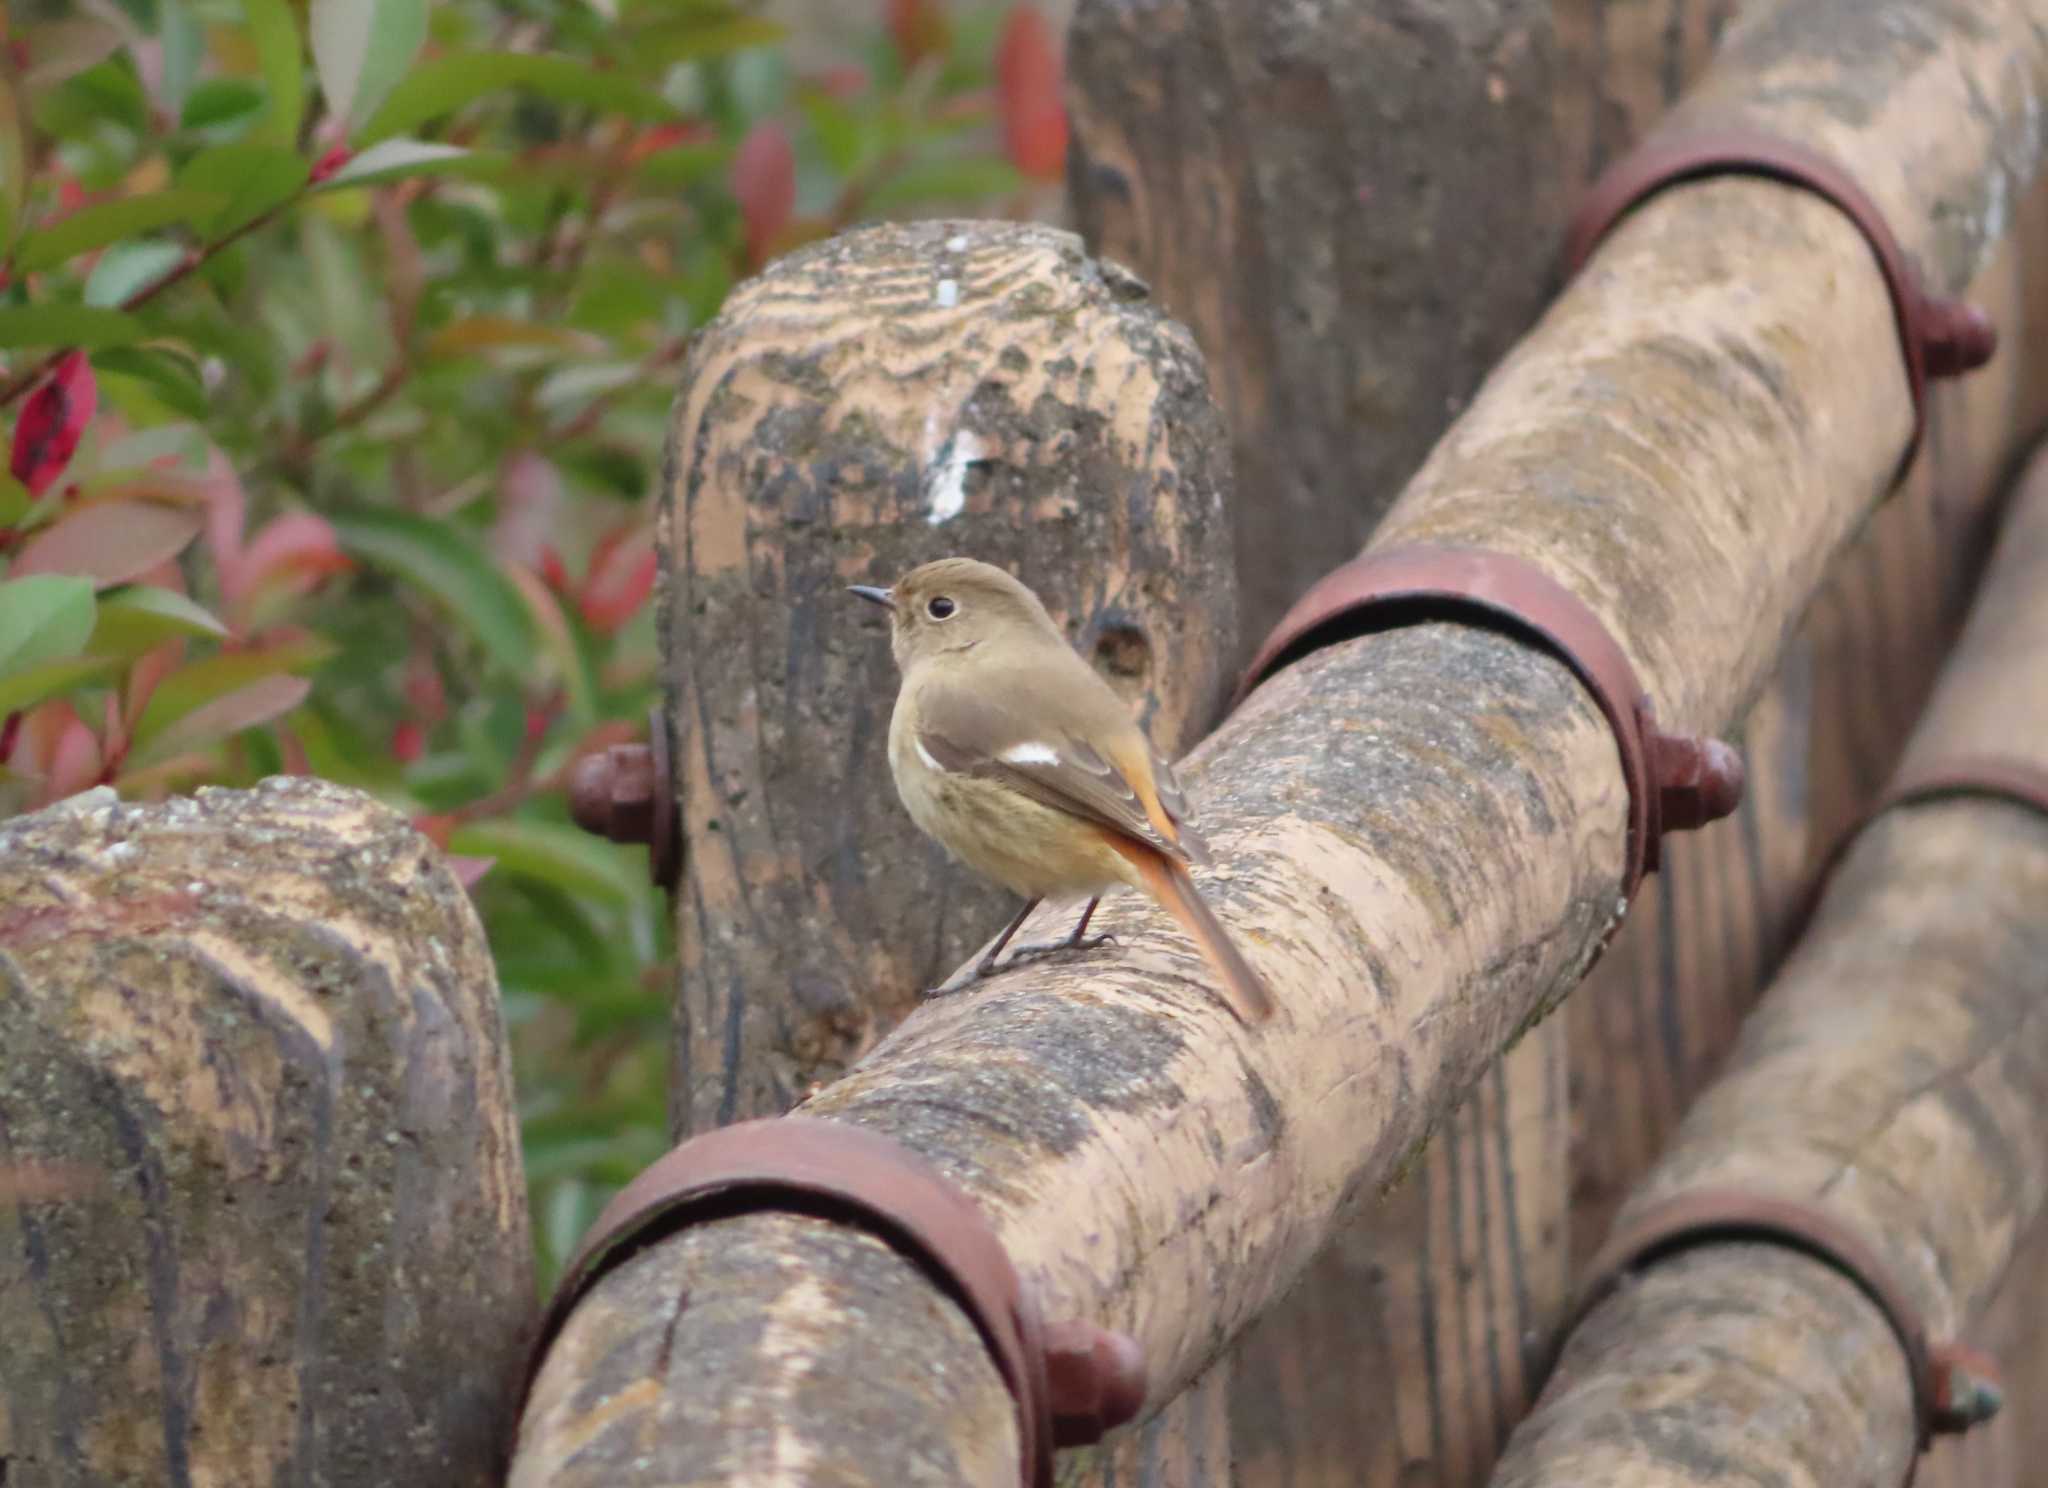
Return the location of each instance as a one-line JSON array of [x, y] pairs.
[[337, 340]]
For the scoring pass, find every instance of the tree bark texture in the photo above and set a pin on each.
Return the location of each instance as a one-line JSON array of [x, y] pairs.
[[254, 1036], [1422, 829], [1896, 1075], [895, 395]]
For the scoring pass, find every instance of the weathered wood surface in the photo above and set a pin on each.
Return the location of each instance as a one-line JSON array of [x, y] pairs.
[[1896, 1074], [1426, 822], [1357, 206], [888, 397], [257, 1034]]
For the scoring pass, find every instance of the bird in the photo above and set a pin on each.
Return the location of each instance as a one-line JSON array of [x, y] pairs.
[[1012, 752]]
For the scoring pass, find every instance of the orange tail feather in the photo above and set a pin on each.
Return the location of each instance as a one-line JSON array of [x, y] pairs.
[[1169, 883]]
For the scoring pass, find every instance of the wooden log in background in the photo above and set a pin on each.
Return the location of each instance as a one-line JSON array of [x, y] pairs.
[[1896, 1076], [1402, 1355], [256, 1035], [895, 395], [1154, 1168]]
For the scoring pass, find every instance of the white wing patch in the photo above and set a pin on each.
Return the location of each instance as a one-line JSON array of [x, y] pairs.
[[926, 755], [1030, 753]]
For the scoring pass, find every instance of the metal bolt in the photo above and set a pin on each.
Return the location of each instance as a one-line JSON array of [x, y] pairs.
[[1096, 1379], [1698, 780], [1966, 1389], [626, 794]]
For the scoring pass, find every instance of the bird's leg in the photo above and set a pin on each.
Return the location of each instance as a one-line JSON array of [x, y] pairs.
[[987, 964], [1077, 941]]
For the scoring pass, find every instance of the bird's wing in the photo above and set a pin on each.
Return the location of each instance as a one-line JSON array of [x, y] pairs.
[[1123, 786]]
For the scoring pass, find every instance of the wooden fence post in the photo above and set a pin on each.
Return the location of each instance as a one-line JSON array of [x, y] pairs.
[[1150, 1164], [1895, 1079], [269, 1222], [897, 394]]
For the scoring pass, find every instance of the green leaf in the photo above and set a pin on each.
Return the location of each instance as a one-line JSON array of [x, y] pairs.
[[222, 100], [169, 377], [282, 63], [361, 49], [438, 88], [13, 157], [15, 500], [968, 180], [565, 856], [664, 45], [183, 45], [66, 325], [249, 179], [127, 268], [390, 159], [200, 683], [448, 565], [136, 617], [844, 137], [43, 618], [95, 227], [26, 689]]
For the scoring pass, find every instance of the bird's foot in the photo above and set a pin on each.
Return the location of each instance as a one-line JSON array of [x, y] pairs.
[[1054, 947]]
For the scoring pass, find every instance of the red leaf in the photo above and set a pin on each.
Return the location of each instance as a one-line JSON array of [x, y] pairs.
[[659, 137], [435, 829], [109, 542], [1030, 80], [553, 569], [10, 735], [328, 164], [845, 82], [764, 181], [46, 435], [920, 28], [74, 763], [408, 742], [621, 577], [424, 693]]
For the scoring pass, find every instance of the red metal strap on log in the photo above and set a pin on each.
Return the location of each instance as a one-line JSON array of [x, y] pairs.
[[2017, 780], [1675, 782], [1072, 1381], [1940, 337], [1954, 1387]]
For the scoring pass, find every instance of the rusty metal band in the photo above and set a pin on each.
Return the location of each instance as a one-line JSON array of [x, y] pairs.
[[863, 1179], [1939, 337], [1721, 1215], [1999, 777], [1418, 581]]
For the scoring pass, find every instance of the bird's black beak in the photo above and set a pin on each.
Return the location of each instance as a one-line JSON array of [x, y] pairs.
[[886, 598]]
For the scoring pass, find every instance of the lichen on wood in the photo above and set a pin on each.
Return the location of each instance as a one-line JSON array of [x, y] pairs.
[[259, 1032]]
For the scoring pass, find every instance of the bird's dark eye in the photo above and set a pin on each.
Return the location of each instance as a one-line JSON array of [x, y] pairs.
[[939, 607]]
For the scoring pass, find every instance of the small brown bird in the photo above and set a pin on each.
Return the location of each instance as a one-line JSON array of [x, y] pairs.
[[1010, 750]]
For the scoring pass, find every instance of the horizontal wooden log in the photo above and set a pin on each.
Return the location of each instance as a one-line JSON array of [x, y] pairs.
[[259, 1031], [1897, 1076], [1421, 832]]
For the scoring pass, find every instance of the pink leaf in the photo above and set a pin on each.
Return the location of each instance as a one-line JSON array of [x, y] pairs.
[[226, 513], [529, 507], [109, 542], [149, 669], [297, 549], [408, 741], [621, 577], [46, 435], [764, 181], [1029, 83], [258, 702], [74, 763], [468, 870], [919, 29]]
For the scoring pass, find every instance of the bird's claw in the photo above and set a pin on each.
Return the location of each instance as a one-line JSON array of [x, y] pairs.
[[1052, 947]]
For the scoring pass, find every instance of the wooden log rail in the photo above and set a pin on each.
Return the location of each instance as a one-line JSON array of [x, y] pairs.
[[1421, 830], [1894, 1079]]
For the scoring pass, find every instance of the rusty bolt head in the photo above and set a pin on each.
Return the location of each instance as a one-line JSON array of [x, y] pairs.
[[1698, 781], [611, 793], [1966, 1389], [1096, 1379], [1956, 337]]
